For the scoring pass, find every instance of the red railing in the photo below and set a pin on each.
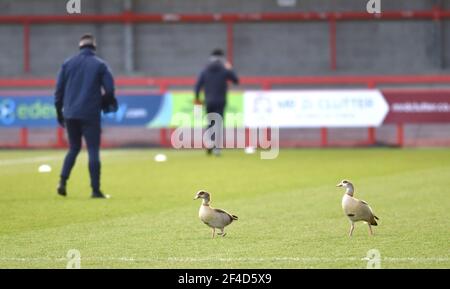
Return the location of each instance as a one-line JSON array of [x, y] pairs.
[[266, 82], [436, 13]]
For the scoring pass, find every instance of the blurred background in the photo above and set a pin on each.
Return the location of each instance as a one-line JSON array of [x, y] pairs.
[[156, 48]]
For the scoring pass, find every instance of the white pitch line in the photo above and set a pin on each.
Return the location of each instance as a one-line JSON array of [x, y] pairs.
[[306, 259], [21, 161], [188, 259], [12, 162]]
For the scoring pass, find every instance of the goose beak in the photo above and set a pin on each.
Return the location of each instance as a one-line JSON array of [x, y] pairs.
[[196, 197], [339, 185]]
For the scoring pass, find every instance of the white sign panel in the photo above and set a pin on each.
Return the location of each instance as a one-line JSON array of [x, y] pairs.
[[314, 108]]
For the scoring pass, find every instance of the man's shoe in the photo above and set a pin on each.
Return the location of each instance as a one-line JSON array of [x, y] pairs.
[[99, 195], [62, 191]]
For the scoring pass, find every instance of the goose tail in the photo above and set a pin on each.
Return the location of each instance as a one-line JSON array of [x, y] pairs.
[[373, 222]]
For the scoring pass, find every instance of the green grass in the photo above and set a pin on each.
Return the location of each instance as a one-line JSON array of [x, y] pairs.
[[289, 210]]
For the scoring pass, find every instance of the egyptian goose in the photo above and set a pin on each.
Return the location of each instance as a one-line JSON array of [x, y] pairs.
[[214, 218], [356, 210]]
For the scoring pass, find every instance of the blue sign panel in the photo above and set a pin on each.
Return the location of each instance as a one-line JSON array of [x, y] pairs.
[[135, 110], [39, 111]]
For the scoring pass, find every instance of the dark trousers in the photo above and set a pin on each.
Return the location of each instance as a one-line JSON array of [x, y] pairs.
[[219, 109], [90, 130]]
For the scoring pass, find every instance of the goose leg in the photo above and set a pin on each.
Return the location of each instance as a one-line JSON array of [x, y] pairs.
[[213, 232], [222, 233], [352, 227], [370, 230]]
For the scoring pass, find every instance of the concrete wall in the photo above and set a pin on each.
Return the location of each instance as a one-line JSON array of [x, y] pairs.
[[199, 6], [385, 47], [55, 7], [176, 49], [282, 49], [11, 50], [388, 47]]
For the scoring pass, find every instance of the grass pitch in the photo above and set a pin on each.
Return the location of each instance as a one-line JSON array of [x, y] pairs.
[[289, 210]]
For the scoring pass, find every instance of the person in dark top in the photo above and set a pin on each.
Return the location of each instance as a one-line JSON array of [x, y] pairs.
[[214, 81], [79, 102]]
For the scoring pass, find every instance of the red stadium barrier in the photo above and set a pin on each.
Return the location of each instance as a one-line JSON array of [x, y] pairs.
[[131, 17], [265, 83], [23, 137]]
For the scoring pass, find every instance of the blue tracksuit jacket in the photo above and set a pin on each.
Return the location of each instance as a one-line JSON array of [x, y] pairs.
[[79, 86]]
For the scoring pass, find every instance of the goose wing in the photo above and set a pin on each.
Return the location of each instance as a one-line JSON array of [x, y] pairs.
[[363, 207], [365, 211], [232, 217]]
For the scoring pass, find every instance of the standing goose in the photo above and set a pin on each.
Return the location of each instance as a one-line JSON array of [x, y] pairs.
[[356, 210], [214, 218]]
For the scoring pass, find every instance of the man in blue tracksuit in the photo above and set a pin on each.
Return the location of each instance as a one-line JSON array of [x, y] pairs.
[[214, 81], [79, 102]]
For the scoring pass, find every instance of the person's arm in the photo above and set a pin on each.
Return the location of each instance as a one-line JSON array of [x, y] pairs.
[[59, 96], [198, 86], [109, 101], [231, 75]]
